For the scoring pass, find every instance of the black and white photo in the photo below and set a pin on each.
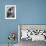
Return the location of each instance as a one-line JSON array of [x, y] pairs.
[[10, 11]]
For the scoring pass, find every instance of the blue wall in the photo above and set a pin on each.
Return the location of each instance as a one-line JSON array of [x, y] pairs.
[[27, 12]]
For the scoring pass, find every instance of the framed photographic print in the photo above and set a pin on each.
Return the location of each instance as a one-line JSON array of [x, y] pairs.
[[33, 32], [10, 11]]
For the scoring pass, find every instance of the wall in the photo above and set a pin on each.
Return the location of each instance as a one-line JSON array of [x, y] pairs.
[[27, 12]]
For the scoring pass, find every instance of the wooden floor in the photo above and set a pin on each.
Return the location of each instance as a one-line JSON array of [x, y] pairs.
[[30, 43], [9, 45]]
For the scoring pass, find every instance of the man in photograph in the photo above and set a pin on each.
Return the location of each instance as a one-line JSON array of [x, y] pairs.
[[11, 12]]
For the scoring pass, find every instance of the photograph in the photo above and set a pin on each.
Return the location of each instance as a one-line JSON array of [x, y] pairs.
[[10, 11], [28, 33]]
